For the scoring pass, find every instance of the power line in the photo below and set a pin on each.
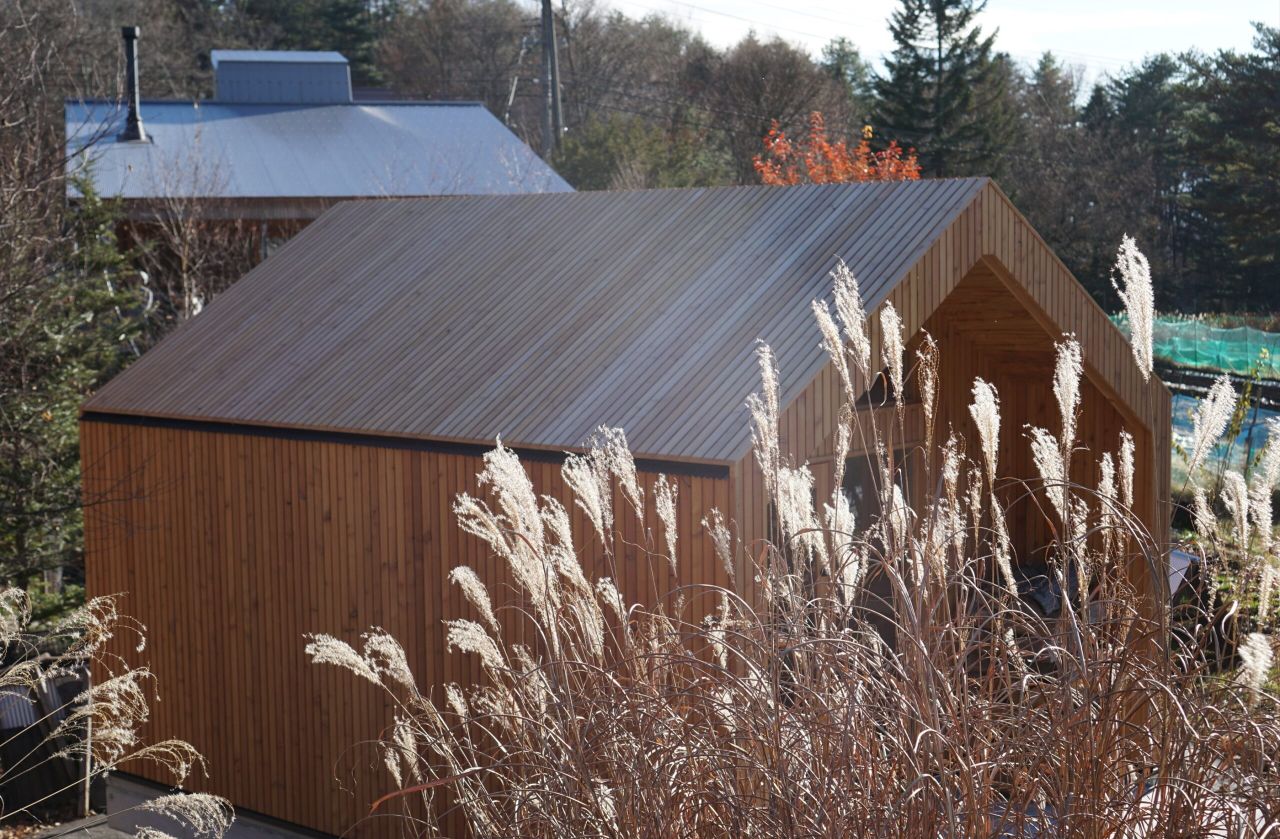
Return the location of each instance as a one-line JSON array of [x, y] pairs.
[[760, 23], [1107, 62], [801, 13], [1112, 61]]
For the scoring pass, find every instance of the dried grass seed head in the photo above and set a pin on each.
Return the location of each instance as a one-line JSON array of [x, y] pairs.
[[664, 503], [927, 377], [609, 446], [1002, 548], [386, 657], [591, 491], [1138, 296], [1260, 515], [985, 411], [1210, 421], [722, 542], [1047, 456], [1267, 472], [473, 589], [511, 485], [1256, 659], [833, 344], [1126, 469], [891, 348], [1067, 372], [1206, 524], [325, 649], [763, 407], [470, 637], [205, 815], [853, 318], [1235, 496]]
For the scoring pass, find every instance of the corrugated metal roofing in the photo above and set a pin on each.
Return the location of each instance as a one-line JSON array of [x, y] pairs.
[[538, 317], [225, 150]]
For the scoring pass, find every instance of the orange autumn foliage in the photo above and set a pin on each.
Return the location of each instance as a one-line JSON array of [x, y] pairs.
[[815, 159]]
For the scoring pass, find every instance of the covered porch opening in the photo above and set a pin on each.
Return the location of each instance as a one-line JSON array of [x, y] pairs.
[[988, 328]]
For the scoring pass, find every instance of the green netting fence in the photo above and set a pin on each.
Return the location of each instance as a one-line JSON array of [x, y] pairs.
[[1189, 342]]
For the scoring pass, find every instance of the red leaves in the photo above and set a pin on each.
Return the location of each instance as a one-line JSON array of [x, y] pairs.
[[815, 159]]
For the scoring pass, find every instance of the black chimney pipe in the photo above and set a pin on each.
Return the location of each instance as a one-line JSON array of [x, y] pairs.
[[133, 130]]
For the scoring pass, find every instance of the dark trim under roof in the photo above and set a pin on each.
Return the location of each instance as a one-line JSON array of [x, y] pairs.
[[669, 467]]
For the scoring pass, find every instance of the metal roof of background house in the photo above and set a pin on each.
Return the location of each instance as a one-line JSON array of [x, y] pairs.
[[272, 150], [216, 57], [282, 77], [538, 317]]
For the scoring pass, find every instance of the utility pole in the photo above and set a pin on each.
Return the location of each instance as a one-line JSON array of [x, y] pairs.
[[553, 118], [515, 80]]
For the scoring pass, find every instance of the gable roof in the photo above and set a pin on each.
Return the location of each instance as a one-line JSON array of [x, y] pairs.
[[538, 317], [230, 150]]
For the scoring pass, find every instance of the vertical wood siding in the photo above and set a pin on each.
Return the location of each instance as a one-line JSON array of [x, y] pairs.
[[996, 298], [230, 548]]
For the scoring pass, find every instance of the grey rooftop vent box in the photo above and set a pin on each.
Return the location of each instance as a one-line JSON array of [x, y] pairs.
[[281, 77]]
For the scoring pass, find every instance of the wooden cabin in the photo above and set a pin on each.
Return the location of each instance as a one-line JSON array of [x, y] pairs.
[[285, 462]]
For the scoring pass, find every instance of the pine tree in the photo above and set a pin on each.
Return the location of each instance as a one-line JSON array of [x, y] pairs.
[[1235, 201], [63, 334], [944, 90], [846, 65], [1147, 136], [350, 27], [1065, 172], [1097, 112]]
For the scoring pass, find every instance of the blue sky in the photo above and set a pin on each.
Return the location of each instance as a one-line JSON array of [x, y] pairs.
[[1102, 35]]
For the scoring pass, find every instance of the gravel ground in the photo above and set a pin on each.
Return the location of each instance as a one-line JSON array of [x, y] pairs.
[[94, 827]]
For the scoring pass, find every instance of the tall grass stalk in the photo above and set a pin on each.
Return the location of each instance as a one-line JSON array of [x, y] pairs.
[[102, 727], [884, 679]]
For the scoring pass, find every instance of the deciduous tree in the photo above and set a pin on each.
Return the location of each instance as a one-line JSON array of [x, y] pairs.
[[817, 159]]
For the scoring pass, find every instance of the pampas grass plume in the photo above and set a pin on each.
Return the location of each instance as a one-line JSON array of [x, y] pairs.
[[1211, 418], [1136, 293]]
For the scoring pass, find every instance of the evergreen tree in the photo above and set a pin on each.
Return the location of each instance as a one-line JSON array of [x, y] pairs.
[[1045, 178], [944, 91], [1235, 201], [1147, 139], [1097, 112], [63, 335], [352, 27], [1049, 100], [846, 65]]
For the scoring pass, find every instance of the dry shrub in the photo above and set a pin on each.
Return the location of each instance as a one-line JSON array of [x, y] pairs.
[[103, 725], [887, 680]]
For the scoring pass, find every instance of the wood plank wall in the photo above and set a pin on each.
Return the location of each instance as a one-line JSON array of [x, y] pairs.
[[230, 548], [1021, 371], [991, 243], [230, 543]]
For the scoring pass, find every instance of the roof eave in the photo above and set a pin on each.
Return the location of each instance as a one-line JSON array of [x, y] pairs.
[[646, 461]]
